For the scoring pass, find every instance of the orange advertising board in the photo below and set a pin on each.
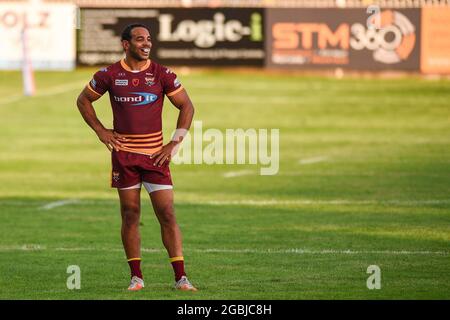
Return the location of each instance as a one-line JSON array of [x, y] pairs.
[[331, 37], [435, 51]]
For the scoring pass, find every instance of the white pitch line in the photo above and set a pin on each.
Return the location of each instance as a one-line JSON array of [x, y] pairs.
[[312, 160], [37, 247], [233, 174], [25, 247], [45, 92], [11, 99], [322, 202], [254, 202], [325, 251], [60, 203]]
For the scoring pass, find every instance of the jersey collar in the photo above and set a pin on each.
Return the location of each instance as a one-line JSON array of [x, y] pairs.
[[127, 68]]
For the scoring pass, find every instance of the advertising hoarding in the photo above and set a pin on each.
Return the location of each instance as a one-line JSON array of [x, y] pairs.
[[196, 36], [50, 34], [347, 38]]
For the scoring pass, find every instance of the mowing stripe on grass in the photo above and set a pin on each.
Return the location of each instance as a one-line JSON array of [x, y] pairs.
[[37, 247]]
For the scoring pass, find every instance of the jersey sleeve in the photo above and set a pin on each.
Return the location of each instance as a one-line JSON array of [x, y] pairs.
[[171, 84], [100, 82]]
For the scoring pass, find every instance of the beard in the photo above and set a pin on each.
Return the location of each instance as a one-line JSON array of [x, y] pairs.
[[135, 54]]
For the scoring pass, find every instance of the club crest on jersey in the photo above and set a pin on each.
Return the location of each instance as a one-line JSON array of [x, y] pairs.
[[135, 82], [116, 176], [149, 81], [121, 82]]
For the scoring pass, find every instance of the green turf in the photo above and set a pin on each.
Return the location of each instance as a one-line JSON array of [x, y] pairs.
[[381, 195]]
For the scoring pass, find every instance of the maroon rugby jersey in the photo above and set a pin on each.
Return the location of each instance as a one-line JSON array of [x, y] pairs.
[[137, 99]]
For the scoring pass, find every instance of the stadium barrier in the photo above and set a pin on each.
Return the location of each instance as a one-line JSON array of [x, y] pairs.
[[196, 36], [409, 37], [348, 38]]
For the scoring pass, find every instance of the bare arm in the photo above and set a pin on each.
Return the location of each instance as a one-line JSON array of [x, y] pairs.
[[183, 103], [84, 102]]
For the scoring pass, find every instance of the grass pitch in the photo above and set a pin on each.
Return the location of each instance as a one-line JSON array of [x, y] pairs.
[[364, 180]]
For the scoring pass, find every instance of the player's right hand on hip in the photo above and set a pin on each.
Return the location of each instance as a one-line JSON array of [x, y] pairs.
[[111, 139]]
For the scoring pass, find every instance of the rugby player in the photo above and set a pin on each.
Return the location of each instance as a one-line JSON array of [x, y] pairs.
[[136, 87]]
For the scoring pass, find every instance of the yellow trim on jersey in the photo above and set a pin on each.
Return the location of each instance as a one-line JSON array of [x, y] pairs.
[[173, 259], [148, 135], [131, 140], [133, 259], [148, 141], [127, 68], [90, 88], [131, 145], [174, 92], [147, 152]]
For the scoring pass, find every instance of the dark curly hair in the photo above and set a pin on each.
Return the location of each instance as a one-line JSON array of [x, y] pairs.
[[126, 33]]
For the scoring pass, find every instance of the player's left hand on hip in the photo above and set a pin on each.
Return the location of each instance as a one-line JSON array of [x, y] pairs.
[[164, 155]]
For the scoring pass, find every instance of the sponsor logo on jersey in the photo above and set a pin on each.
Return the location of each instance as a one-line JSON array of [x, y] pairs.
[[135, 82], [121, 82], [140, 98]]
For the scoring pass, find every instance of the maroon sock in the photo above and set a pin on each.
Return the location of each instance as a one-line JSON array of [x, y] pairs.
[[135, 267], [178, 269]]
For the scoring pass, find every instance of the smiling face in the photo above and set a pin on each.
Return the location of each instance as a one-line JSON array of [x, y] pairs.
[[140, 44]]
